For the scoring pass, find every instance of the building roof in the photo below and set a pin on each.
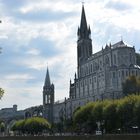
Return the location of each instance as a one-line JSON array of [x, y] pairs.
[[120, 44]]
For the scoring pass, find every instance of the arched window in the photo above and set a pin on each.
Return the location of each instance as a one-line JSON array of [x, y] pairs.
[[91, 68], [87, 70], [46, 99], [130, 57], [115, 61], [107, 60], [126, 73], [122, 73], [49, 99]]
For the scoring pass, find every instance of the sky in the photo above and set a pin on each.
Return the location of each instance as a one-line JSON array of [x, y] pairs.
[[35, 34]]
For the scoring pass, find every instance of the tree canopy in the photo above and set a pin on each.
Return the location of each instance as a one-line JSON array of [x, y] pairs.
[[33, 125], [112, 114], [131, 85], [1, 93]]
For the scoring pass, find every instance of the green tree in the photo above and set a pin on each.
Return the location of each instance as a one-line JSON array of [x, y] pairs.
[[19, 126], [131, 85], [1, 93], [125, 111], [2, 127], [111, 117], [32, 126], [36, 125], [137, 112], [98, 112], [84, 119], [112, 114]]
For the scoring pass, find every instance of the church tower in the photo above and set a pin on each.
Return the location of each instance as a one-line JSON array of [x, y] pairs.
[[84, 42], [48, 98]]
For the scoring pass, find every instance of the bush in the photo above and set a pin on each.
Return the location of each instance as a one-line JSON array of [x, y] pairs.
[[33, 125]]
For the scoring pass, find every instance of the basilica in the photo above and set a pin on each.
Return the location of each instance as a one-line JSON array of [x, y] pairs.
[[99, 76]]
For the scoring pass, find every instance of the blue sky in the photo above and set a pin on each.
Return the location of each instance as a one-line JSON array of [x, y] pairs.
[[34, 33]]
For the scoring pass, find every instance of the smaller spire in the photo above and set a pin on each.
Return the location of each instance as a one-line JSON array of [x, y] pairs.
[[75, 75], [89, 30], [78, 32], [70, 81], [47, 79], [106, 45]]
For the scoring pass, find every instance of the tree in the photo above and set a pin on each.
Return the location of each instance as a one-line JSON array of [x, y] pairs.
[[36, 125], [19, 126], [84, 119], [111, 114], [125, 111], [1, 93], [137, 112], [131, 85], [111, 117], [32, 126], [2, 127]]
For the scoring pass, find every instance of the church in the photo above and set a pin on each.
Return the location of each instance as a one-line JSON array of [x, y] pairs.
[[99, 76]]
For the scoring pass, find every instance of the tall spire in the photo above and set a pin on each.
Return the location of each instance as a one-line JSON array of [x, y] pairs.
[[47, 79], [83, 24], [84, 42], [83, 31]]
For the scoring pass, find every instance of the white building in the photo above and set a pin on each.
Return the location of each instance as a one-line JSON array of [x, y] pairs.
[[99, 76]]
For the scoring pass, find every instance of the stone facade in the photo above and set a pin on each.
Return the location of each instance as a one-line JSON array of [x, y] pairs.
[[99, 76]]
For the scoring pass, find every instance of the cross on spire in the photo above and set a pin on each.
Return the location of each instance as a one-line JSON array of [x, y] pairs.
[[83, 2]]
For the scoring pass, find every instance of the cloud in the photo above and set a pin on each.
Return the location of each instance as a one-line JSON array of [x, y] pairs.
[[18, 77], [33, 51], [118, 5], [44, 15], [36, 33], [35, 11]]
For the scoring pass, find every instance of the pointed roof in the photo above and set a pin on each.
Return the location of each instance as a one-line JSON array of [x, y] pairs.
[[47, 79], [89, 30], [83, 19]]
